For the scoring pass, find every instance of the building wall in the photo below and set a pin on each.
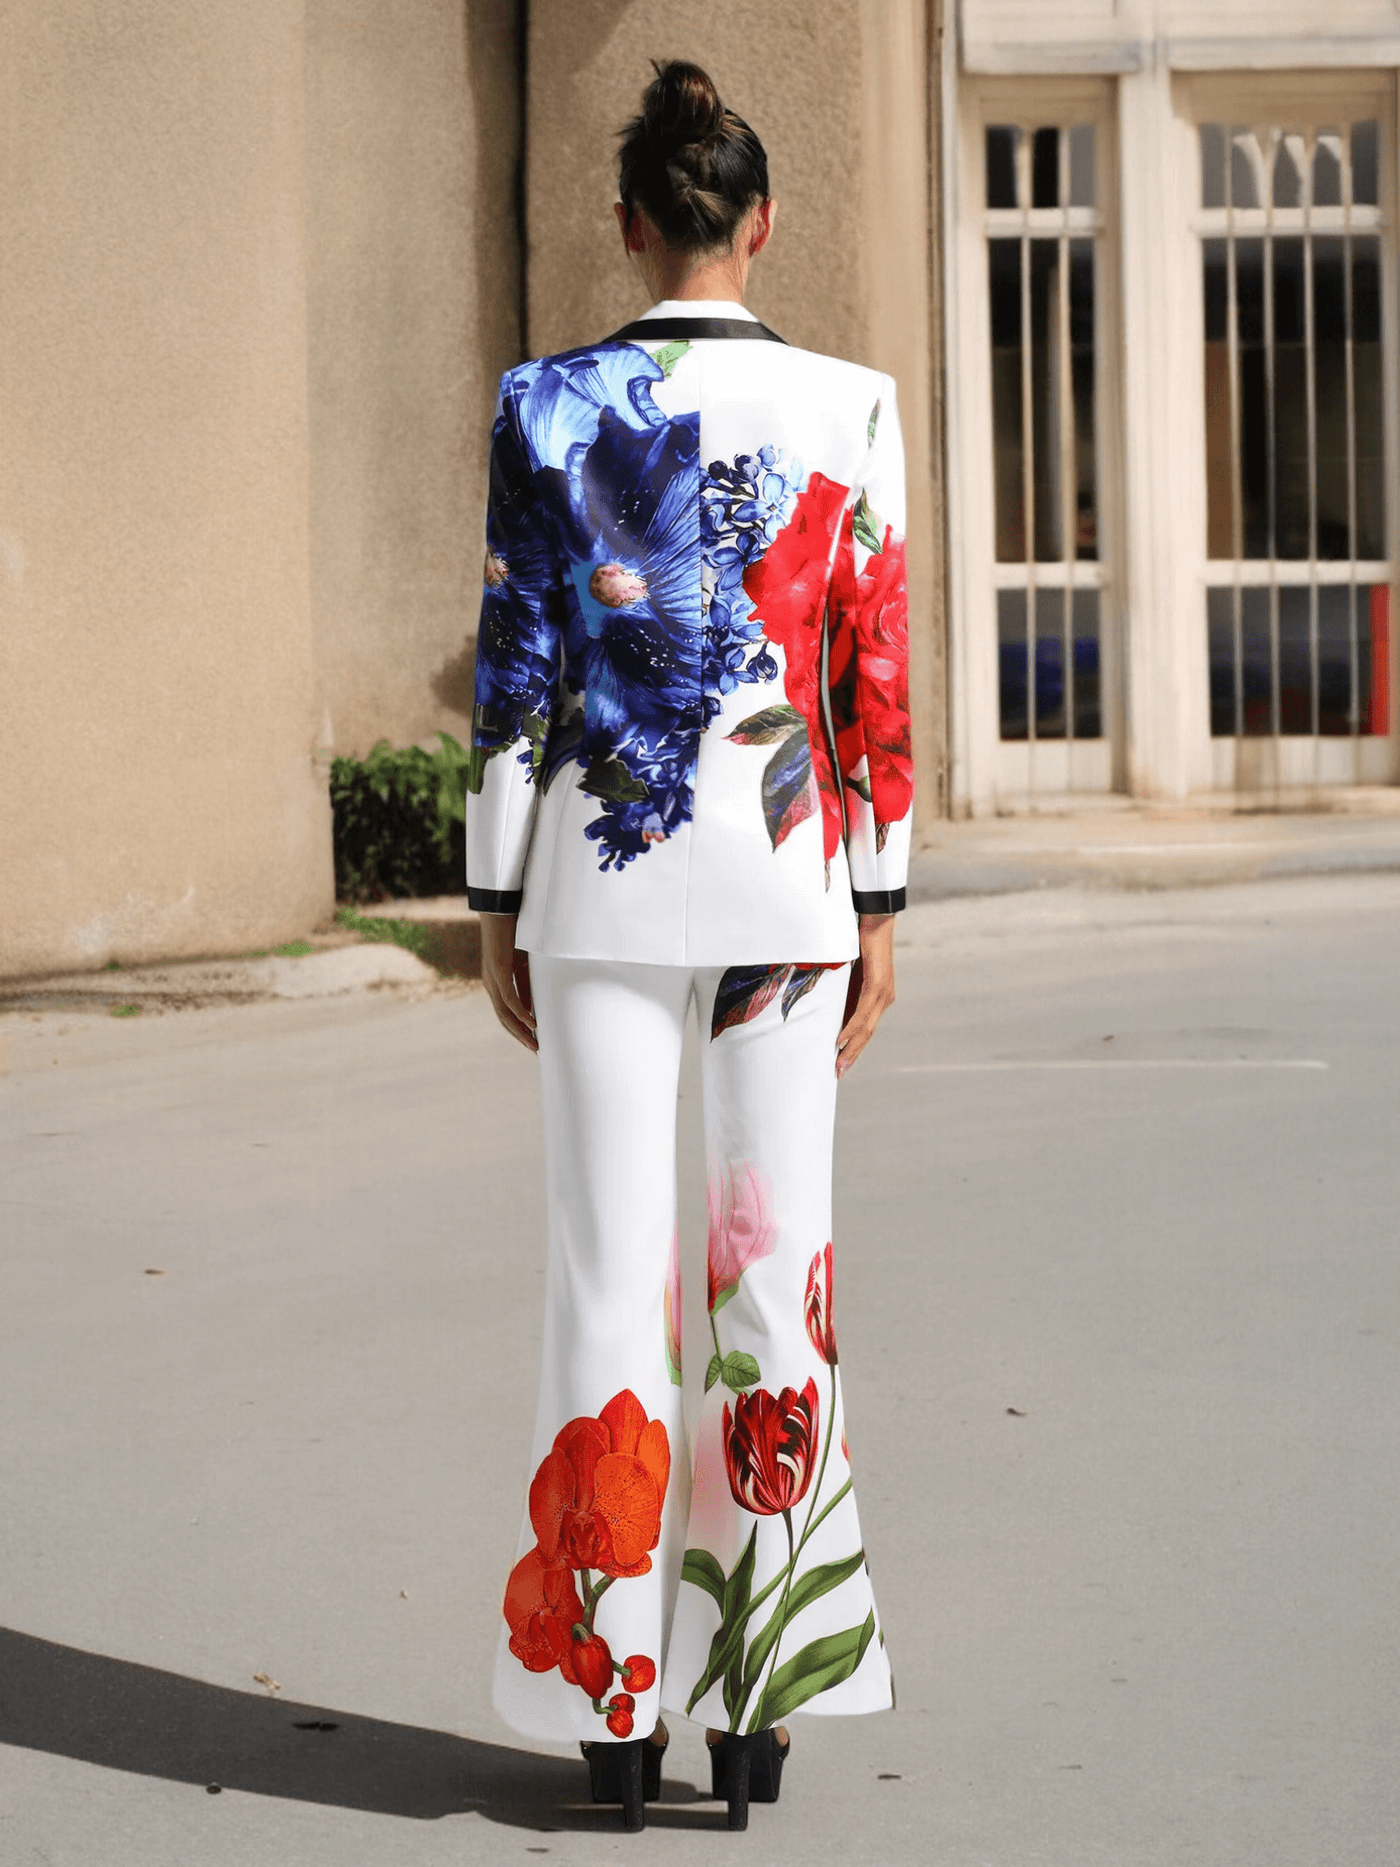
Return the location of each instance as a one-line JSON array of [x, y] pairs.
[[414, 311], [158, 717], [840, 95]]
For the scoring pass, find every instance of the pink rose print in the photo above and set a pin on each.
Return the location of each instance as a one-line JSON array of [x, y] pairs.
[[742, 1228], [672, 1309]]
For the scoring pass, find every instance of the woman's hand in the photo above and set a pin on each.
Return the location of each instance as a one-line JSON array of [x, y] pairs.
[[871, 991], [506, 975]]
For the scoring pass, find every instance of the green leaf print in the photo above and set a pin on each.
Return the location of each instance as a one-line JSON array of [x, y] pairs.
[[739, 1371], [669, 355], [768, 726], [789, 789], [809, 1588], [716, 1367], [864, 523], [727, 1647], [819, 1666], [474, 772], [609, 778], [701, 1568], [874, 417]]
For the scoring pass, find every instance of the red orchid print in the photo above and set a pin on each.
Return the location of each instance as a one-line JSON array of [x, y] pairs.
[[787, 587], [742, 1228], [769, 1446], [542, 1608], [821, 1327], [595, 1502]]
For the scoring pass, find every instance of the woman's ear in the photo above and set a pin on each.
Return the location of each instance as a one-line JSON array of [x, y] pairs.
[[761, 229]]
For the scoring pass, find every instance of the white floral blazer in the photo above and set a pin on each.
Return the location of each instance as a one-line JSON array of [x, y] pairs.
[[690, 744]]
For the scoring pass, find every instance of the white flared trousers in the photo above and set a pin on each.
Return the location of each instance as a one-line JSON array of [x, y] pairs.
[[732, 1589]]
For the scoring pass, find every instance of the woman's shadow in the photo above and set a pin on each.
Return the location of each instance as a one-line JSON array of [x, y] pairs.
[[130, 1717]]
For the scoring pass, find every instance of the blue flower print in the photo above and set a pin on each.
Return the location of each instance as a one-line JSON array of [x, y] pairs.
[[615, 575]]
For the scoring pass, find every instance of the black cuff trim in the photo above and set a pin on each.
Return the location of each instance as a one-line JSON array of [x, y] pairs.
[[495, 900], [878, 900]]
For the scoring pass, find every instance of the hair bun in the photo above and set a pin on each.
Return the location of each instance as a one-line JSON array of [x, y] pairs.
[[681, 105]]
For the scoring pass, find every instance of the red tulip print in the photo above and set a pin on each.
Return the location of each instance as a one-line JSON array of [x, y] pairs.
[[542, 1608], [769, 1445], [821, 1327], [595, 1502]]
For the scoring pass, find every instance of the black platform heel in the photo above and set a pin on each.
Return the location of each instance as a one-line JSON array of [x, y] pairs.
[[747, 1769], [628, 1773]]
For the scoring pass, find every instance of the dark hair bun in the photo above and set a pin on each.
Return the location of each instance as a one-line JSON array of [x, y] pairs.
[[695, 167], [680, 106]]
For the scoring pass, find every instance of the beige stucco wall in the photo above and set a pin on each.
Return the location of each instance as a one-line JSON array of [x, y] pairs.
[[413, 145], [840, 95], [157, 788]]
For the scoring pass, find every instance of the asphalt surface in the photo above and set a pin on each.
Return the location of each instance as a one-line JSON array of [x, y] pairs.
[[1119, 1323]]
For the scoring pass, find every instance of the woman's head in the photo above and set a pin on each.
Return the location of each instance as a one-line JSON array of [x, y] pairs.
[[695, 169]]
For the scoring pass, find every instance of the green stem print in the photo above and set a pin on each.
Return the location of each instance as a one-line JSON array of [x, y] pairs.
[[770, 1443]]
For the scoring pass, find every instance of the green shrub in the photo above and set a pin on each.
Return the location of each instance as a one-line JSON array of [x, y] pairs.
[[398, 821]]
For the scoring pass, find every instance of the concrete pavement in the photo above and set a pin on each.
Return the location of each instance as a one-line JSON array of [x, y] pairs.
[[1119, 1326]]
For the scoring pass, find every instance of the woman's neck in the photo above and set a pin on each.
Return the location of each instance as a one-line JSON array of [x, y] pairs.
[[681, 276]]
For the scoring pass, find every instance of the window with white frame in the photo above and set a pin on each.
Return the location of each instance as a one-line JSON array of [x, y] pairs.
[[1293, 240], [1043, 222]]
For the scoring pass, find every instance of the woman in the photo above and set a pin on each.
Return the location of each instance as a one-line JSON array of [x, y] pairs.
[[690, 779]]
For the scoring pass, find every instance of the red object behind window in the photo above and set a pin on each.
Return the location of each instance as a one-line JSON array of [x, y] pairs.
[[1380, 660]]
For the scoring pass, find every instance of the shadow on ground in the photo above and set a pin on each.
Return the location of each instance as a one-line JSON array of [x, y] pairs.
[[152, 1723]]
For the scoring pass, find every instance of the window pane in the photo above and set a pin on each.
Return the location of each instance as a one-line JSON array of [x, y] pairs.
[[1334, 684], [1004, 283], [1246, 167], [1212, 165], [1047, 411], [1220, 474], [1045, 169], [1294, 659], [1288, 179], [1083, 191], [1327, 169], [1220, 648], [1088, 706], [1330, 396], [1254, 417], [1366, 366], [1081, 322], [1291, 521], [1256, 664], [1011, 651], [1050, 664], [1001, 165], [1364, 163]]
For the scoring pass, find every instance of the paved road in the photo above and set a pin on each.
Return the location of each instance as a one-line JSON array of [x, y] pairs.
[[1119, 1330]]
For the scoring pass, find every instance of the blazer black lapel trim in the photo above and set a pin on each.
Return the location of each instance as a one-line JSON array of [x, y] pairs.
[[643, 329]]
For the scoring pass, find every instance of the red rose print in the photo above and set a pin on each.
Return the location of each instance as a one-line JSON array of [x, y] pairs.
[[787, 587], [821, 1327], [593, 1665], [595, 1502], [769, 1446], [639, 1673], [868, 671], [542, 1607]]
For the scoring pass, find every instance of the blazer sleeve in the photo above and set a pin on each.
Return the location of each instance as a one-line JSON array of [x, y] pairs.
[[868, 670], [517, 659]]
